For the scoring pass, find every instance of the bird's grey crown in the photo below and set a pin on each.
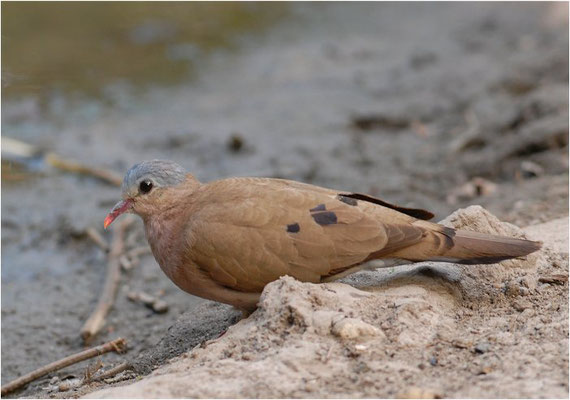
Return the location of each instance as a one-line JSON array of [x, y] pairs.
[[160, 172]]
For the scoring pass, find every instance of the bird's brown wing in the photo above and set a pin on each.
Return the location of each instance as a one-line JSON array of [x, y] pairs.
[[248, 232]]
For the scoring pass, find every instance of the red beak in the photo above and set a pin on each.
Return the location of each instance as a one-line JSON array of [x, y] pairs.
[[121, 207]]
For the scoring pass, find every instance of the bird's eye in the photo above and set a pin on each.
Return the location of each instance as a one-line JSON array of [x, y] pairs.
[[145, 186]]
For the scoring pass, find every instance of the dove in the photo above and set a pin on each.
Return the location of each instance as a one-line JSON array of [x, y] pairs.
[[225, 240]]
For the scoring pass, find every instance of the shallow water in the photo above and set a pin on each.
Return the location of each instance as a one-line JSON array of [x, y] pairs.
[[85, 48]]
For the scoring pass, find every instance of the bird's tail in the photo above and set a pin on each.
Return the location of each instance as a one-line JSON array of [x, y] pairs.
[[479, 248], [466, 247]]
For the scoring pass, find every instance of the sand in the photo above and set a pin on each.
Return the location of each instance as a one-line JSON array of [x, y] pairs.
[[429, 330]]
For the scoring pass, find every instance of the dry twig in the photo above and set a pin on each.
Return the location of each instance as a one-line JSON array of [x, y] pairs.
[[556, 279], [97, 319], [97, 238], [13, 148], [157, 305], [112, 372], [116, 345], [139, 251], [72, 166], [133, 256], [125, 262], [465, 138]]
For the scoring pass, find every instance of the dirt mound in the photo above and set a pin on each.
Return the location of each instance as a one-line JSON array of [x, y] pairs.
[[427, 330]]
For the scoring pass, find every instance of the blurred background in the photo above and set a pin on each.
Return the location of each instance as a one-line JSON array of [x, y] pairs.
[[427, 105]]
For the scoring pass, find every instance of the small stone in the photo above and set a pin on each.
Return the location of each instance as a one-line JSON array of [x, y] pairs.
[[312, 386], [156, 305], [433, 361], [529, 312], [133, 296], [146, 298], [160, 306], [512, 289], [419, 393], [352, 328], [322, 321], [521, 305], [486, 369], [528, 282], [523, 291], [69, 384], [235, 142], [51, 388], [482, 347], [529, 169]]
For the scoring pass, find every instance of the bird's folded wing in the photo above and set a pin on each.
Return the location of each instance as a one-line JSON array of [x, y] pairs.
[[246, 236]]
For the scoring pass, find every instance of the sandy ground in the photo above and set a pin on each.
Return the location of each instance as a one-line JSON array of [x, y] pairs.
[[431, 330], [411, 103]]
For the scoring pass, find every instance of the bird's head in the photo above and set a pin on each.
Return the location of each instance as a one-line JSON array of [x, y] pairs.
[[144, 186]]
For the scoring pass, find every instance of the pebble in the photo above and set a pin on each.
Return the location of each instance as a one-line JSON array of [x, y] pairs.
[[235, 142], [521, 305], [419, 393], [486, 369], [69, 384], [482, 347], [512, 289], [352, 328], [160, 306], [523, 291], [528, 282], [157, 305], [529, 169], [529, 312]]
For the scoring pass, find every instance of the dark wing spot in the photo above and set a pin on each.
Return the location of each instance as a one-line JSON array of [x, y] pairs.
[[325, 218], [348, 200], [293, 228], [412, 212], [320, 207]]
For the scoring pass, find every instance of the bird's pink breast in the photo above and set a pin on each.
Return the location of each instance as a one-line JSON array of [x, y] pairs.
[[162, 239]]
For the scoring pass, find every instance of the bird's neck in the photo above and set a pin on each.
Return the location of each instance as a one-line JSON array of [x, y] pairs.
[[165, 226]]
